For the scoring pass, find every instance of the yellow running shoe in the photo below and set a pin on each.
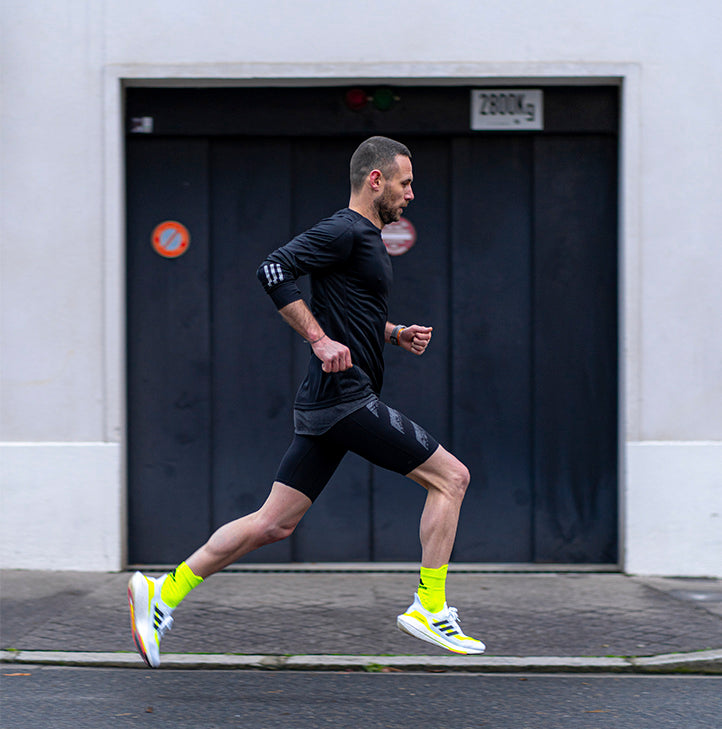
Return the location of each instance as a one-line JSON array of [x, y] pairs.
[[440, 628], [150, 617]]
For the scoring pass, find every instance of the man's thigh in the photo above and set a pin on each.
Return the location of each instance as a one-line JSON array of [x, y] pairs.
[[309, 463], [385, 437]]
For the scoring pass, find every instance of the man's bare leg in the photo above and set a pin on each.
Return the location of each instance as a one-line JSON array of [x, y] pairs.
[[152, 601], [275, 520], [445, 478], [428, 617]]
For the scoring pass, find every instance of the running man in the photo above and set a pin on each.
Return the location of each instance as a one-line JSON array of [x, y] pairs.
[[337, 408]]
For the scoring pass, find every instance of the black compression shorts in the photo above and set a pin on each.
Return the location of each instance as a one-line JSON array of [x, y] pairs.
[[375, 432]]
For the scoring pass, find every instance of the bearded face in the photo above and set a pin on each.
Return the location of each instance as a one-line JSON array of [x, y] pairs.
[[396, 193], [389, 207]]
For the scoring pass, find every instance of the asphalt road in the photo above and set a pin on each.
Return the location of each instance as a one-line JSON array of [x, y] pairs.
[[60, 698]]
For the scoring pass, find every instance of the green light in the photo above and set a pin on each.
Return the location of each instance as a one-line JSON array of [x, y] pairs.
[[383, 99]]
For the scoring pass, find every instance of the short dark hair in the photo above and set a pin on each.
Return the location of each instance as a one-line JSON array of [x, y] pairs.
[[376, 153]]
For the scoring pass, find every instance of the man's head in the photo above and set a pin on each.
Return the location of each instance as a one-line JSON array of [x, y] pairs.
[[376, 153], [381, 177]]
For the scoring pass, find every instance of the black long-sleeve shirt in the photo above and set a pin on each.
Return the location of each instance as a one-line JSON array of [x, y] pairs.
[[350, 273]]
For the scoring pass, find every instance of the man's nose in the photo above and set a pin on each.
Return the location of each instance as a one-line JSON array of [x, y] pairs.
[[409, 194]]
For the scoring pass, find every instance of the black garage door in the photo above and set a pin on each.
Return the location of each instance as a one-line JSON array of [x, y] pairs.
[[515, 266]]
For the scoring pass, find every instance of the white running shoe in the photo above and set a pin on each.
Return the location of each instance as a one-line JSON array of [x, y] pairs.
[[440, 628], [150, 617]]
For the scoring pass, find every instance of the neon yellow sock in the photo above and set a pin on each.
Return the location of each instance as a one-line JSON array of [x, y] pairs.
[[178, 584], [432, 588]]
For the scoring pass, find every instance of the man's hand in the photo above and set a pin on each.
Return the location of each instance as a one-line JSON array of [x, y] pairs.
[[415, 339], [335, 357]]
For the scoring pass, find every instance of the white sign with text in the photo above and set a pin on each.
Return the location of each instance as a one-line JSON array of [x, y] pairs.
[[507, 109]]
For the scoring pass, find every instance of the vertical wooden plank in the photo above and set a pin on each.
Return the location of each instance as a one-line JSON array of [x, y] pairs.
[[490, 290], [575, 349], [168, 352], [252, 391]]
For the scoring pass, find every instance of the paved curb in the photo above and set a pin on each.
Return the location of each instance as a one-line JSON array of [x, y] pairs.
[[702, 662]]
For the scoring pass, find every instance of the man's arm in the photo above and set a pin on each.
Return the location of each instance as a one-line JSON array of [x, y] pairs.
[[334, 356], [414, 338]]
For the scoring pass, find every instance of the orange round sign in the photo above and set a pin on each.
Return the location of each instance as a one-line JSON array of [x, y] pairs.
[[170, 239], [399, 237]]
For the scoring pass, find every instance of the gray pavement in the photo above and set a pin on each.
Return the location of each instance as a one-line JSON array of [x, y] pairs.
[[320, 619]]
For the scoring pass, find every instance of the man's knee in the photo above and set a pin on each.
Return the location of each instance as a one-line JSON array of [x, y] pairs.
[[280, 514], [445, 473], [458, 480], [271, 530]]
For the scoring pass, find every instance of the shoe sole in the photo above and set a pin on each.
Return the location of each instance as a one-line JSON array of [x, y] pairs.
[[413, 628], [136, 585]]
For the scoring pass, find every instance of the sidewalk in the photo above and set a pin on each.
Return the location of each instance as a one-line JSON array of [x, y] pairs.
[[339, 620]]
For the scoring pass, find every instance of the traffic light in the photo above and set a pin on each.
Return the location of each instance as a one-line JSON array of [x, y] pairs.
[[382, 98]]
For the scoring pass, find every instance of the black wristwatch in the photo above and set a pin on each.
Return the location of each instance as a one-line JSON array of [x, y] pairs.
[[396, 332]]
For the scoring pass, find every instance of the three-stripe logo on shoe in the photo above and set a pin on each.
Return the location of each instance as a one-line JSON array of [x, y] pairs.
[[157, 617], [443, 627]]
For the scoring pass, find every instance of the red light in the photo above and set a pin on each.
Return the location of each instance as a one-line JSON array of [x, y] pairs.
[[356, 99]]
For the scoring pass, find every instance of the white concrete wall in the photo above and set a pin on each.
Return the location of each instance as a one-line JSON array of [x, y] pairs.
[[61, 506], [674, 508], [61, 271]]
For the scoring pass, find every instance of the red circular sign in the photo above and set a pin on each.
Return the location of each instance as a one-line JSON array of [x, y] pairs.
[[170, 239], [398, 237]]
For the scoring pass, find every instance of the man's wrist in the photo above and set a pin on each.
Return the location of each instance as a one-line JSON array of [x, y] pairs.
[[396, 333]]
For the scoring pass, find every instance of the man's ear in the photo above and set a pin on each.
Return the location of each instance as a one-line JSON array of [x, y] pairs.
[[375, 179]]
